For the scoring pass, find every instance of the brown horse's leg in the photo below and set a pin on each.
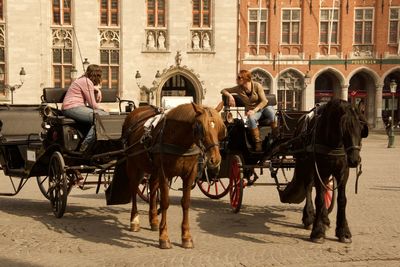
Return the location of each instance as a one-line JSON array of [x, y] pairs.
[[164, 203], [153, 218], [187, 241], [135, 175]]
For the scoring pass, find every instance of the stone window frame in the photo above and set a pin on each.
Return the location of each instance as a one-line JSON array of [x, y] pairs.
[[107, 9], [156, 37], [202, 39], [258, 21], [290, 82], [334, 21], [395, 21], [110, 46], [61, 10], [291, 22], [156, 13], [363, 22], [62, 44]]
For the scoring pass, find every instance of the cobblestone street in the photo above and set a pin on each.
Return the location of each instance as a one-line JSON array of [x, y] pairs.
[[265, 233]]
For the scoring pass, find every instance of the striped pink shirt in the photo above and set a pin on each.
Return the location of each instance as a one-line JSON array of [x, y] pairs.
[[80, 93]]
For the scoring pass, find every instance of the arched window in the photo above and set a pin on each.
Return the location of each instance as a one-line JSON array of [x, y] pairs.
[[262, 78], [290, 90]]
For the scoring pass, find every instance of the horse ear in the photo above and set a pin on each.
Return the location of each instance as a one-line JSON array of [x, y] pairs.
[[197, 108], [220, 106]]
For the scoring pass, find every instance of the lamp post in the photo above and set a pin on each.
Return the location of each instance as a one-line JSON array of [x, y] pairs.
[[85, 64], [74, 73], [393, 87], [307, 79], [148, 90], [12, 88]]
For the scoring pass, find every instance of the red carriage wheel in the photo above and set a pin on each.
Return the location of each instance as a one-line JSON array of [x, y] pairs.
[[236, 183], [330, 194], [216, 188]]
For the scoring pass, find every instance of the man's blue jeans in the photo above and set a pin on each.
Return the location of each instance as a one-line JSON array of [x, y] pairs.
[[84, 115], [267, 113]]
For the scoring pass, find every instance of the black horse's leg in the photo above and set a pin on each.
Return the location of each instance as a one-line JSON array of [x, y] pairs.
[[319, 227], [308, 211], [342, 229]]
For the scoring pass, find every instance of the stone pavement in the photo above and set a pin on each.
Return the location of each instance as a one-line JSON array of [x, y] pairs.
[[265, 233]]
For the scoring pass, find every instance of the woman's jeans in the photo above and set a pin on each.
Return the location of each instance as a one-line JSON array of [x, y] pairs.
[[84, 115], [267, 113]]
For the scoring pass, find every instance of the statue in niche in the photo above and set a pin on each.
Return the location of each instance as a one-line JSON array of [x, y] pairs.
[[196, 41], [161, 41], [206, 42], [150, 41]]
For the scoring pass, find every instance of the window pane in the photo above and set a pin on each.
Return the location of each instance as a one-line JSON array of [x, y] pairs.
[[206, 20], [336, 14], [358, 32], [295, 14], [114, 73], [196, 19], [286, 14], [56, 3], [285, 32], [253, 15], [393, 32], [68, 56], [114, 18], [161, 20], [104, 76], [2, 58], [264, 14], [368, 32], [334, 33], [57, 76], [263, 32], [104, 18], [150, 20], [295, 33], [253, 32], [394, 13], [324, 14], [206, 5], [104, 4], [67, 76], [151, 5], [114, 4], [114, 57], [57, 56], [368, 13], [56, 17], [67, 17], [324, 32], [104, 57], [196, 5], [359, 13]]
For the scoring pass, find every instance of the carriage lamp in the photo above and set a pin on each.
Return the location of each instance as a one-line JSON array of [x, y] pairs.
[[307, 79], [74, 73], [85, 64], [12, 88], [149, 91], [393, 87]]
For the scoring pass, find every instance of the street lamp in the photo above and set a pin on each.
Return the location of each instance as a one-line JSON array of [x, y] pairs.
[[393, 87], [85, 64], [74, 73], [149, 91], [12, 88], [307, 79]]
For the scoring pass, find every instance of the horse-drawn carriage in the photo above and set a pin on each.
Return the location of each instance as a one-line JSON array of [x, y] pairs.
[[39, 141]]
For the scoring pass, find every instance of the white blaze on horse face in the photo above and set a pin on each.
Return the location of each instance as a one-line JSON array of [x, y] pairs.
[[212, 124]]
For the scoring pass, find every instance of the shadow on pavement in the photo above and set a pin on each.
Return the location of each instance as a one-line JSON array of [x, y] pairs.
[[386, 188], [98, 225]]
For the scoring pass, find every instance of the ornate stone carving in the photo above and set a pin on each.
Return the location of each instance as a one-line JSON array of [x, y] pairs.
[[201, 40], [261, 77], [2, 35], [156, 40], [62, 38], [363, 51], [109, 39]]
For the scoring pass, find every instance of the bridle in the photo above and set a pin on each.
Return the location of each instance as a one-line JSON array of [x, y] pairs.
[[199, 134]]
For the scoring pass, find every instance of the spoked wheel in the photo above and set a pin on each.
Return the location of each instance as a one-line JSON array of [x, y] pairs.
[[58, 185], [214, 187], [330, 195], [236, 183], [43, 183]]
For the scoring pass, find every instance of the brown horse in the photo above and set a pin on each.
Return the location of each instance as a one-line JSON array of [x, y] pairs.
[[186, 133]]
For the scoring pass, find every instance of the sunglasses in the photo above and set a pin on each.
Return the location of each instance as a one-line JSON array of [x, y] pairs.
[[239, 78]]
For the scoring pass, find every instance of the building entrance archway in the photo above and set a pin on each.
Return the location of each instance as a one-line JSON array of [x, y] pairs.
[[327, 87], [362, 94]]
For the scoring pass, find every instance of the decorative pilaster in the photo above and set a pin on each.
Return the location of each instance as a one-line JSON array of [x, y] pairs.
[[378, 107]]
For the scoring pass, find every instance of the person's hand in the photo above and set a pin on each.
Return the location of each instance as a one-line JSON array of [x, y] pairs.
[[98, 95], [231, 101], [250, 113]]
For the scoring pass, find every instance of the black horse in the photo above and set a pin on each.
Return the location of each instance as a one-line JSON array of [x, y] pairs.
[[329, 144]]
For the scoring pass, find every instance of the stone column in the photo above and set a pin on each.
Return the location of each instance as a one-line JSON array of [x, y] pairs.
[[378, 107], [345, 92]]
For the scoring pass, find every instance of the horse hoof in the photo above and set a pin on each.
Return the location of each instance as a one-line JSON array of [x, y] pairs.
[[135, 227], [165, 244], [318, 240], [154, 227], [187, 243], [345, 240]]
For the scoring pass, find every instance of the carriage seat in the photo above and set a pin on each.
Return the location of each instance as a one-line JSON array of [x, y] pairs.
[[239, 103]]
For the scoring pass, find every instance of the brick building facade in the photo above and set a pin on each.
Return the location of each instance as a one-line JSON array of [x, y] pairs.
[[311, 51]]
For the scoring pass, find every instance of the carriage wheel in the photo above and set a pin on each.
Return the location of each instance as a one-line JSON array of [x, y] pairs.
[[43, 183], [236, 183], [58, 185], [330, 195], [214, 188]]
